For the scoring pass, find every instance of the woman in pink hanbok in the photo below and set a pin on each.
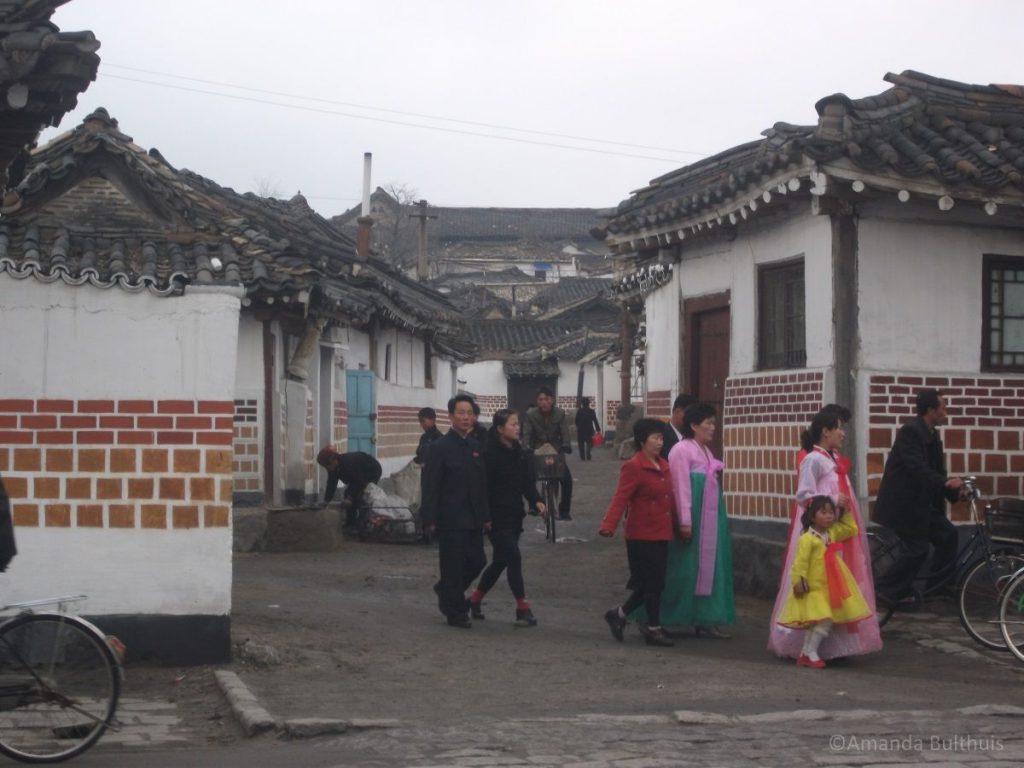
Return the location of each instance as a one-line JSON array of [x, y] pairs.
[[822, 470]]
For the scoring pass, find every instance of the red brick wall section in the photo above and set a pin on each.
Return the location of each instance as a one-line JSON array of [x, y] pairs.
[[340, 424], [983, 436], [659, 404], [489, 404], [610, 409], [118, 463], [762, 419], [246, 464]]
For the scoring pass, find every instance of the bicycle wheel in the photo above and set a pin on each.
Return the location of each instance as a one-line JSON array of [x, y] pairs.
[[980, 595], [552, 505], [59, 684], [1011, 616]]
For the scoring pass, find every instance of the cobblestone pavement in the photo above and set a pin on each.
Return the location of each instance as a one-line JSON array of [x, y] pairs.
[[976, 737]]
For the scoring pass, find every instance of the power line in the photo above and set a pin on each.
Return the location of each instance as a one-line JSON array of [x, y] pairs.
[[534, 142], [401, 112]]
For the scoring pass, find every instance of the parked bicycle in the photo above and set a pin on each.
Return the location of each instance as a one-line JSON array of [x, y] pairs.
[[980, 573], [1010, 524], [60, 681]]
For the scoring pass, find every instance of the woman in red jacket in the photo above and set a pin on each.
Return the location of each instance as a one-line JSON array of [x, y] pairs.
[[645, 488]]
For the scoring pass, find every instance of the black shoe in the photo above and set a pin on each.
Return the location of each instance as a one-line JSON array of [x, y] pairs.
[[615, 623], [460, 620], [525, 618], [475, 610], [658, 637]]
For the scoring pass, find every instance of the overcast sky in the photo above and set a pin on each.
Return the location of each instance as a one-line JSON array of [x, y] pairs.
[[291, 94]]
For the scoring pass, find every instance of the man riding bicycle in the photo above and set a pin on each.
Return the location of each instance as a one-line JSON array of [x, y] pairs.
[[546, 424], [912, 499]]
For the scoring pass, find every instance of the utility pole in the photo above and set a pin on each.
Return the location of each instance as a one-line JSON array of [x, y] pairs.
[[422, 270]]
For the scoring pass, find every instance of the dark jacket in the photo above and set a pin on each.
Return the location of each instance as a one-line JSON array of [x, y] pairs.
[[669, 433], [428, 436], [454, 485], [7, 548], [539, 429], [913, 488], [356, 470], [510, 478], [586, 424]]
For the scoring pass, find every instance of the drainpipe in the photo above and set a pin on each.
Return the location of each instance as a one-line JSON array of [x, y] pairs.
[[365, 221], [298, 368]]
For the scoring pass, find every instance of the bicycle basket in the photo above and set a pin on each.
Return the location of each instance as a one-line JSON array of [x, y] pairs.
[[549, 466], [1004, 520]]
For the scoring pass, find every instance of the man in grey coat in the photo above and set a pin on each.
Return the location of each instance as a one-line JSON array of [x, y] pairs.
[[546, 423]]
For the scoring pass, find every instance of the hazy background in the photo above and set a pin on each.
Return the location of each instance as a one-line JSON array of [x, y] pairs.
[[326, 81]]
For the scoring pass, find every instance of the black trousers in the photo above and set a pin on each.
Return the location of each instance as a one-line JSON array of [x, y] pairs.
[[586, 445], [648, 561], [461, 555], [896, 582], [565, 502], [508, 558]]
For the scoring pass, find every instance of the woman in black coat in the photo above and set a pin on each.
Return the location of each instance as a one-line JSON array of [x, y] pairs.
[[509, 479]]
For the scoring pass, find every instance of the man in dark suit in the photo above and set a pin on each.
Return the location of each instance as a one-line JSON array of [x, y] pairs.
[[356, 470], [673, 431], [428, 423], [912, 499], [455, 505]]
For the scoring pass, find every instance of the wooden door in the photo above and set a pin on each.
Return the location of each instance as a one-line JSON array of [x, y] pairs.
[[362, 411], [711, 362]]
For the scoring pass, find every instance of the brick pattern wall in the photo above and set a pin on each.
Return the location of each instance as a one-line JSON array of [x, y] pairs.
[[659, 404], [118, 463], [398, 431], [246, 463], [340, 436], [983, 436], [566, 402], [489, 404], [763, 416], [610, 407]]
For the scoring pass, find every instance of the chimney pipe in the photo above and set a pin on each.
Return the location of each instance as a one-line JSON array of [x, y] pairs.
[[365, 221]]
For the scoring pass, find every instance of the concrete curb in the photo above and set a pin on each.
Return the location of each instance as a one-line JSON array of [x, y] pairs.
[[252, 717]]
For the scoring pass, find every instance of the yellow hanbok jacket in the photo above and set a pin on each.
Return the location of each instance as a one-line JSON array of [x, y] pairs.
[[818, 604]]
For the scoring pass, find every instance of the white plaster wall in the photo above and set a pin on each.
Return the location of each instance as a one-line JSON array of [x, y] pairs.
[[920, 293], [718, 266], [177, 572], [483, 377], [90, 343], [663, 336]]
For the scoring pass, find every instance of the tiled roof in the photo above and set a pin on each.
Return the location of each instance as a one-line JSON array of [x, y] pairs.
[[935, 136], [538, 339], [571, 292], [48, 67], [96, 208], [528, 369]]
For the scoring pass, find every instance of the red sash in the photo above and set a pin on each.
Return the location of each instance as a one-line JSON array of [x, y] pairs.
[[838, 589]]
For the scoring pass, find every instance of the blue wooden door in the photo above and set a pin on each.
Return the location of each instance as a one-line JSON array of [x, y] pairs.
[[362, 411]]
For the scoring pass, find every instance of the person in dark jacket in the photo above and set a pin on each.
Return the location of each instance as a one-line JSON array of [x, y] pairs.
[[356, 470], [428, 423], [510, 478], [546, 424], [912, 499], [673, 431], [7, 548], [587, 426], [455, 506]]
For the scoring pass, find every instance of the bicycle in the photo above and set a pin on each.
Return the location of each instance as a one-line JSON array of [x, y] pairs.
[[549, 469], [59, 683], [1011, 605], [980, 572]]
